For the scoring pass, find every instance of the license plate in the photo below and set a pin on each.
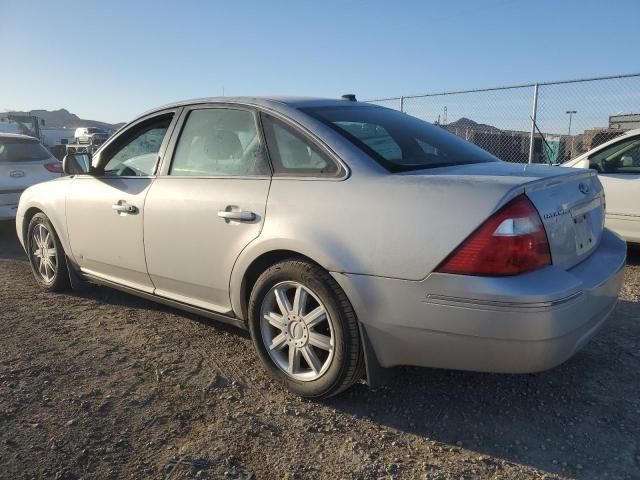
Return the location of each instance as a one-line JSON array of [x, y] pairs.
[[585, 237]]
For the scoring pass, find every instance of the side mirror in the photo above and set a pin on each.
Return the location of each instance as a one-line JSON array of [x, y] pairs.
[[76, 163]]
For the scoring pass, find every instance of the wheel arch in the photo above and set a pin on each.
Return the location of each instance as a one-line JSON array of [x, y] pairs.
[[56, 222], [254, 269], [28, 215], [264, 252]]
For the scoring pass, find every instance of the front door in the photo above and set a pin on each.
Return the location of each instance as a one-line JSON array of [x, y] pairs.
[[208, 203], [619, 167], [105, 210]]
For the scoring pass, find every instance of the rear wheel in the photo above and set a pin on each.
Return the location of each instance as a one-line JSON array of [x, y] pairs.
[[46, 254], [305, 329]]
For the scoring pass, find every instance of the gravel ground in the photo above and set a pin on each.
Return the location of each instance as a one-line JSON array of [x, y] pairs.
[[99, 384]]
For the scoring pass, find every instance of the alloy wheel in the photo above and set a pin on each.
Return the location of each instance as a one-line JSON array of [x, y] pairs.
[[297, 331], [45, 254]]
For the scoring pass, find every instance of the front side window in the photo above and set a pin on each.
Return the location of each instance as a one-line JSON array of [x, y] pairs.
[[219, 142], [622, 157], [136, 154], [397, 141], [20, 150], [292, 154]]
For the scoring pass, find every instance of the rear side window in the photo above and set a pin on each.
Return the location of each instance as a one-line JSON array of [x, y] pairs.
[[397, 141], [219, 142], [19, 150], [294, 155], [375, 137]]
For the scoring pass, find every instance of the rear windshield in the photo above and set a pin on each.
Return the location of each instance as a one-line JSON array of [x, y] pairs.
[[399, 142], [19, 150]]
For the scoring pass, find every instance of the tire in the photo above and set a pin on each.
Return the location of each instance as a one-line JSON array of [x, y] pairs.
[[42, 242], [324, 348]]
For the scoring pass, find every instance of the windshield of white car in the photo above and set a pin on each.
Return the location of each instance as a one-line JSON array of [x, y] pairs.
[[398, 141], [20, 150]]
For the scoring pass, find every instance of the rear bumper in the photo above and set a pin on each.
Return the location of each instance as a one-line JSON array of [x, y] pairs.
[[520, 324]]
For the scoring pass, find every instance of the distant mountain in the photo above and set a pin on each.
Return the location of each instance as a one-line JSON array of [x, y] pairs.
[[468, 123], [63, 118]]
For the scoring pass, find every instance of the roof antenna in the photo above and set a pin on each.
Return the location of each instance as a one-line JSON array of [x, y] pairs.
[[349, 97]]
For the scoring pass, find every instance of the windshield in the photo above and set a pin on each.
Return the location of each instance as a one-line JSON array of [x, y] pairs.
[[399, 142], [20, 150]]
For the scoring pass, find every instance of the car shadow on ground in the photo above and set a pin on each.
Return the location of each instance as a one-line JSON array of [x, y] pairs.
[[10, 248], [633, 255], [115, 297]]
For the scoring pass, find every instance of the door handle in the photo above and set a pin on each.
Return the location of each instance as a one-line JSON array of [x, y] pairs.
[[240, 215], [124, 208]]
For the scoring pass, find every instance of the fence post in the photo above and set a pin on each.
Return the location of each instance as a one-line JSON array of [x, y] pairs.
[[402, 104], [533, 122]]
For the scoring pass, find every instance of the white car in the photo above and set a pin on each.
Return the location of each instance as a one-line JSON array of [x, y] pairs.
[[23, 162], [618, 165]]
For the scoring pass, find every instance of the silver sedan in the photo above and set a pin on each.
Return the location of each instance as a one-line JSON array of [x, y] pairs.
[[346, 237]]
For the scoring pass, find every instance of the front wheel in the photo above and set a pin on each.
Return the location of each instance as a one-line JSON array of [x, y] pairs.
[[46, 254], [305, 330]]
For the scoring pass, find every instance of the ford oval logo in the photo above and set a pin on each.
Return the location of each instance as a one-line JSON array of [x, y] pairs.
[[584, 188], [16, 173]]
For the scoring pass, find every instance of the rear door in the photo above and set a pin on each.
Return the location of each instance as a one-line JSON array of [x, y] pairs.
[[105, 211], [207, 204], [23, 162], [619, 167]]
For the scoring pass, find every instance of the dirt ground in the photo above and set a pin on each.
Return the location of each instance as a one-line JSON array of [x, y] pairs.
[[100, 384]]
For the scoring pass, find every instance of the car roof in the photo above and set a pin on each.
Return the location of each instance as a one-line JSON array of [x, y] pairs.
[[276, 103], [18, 136]]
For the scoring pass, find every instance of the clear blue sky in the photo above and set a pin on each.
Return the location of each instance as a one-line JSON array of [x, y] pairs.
[[109, 60]]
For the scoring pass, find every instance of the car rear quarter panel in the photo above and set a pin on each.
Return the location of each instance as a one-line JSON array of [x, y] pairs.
[[386, 226]]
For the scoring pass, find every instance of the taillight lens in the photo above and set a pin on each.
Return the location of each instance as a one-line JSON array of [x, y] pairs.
[[54, 167], [511, 241]]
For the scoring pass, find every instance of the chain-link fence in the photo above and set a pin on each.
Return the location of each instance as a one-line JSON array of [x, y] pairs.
[[564, 119]]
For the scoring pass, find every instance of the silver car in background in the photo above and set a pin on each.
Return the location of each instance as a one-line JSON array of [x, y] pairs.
[[345, 236], [23, 162]]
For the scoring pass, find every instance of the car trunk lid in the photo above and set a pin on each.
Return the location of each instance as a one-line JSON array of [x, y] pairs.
[[572, 211], [570, 201]]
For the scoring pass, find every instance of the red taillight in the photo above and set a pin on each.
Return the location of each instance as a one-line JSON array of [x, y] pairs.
[[510, 242], [54, 167]]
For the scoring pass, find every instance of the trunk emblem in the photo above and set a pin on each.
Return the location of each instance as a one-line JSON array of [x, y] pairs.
[[584, 188], [16, 173]]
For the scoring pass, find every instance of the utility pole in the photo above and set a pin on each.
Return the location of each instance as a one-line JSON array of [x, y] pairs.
[[571, 113], [534, 112]]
